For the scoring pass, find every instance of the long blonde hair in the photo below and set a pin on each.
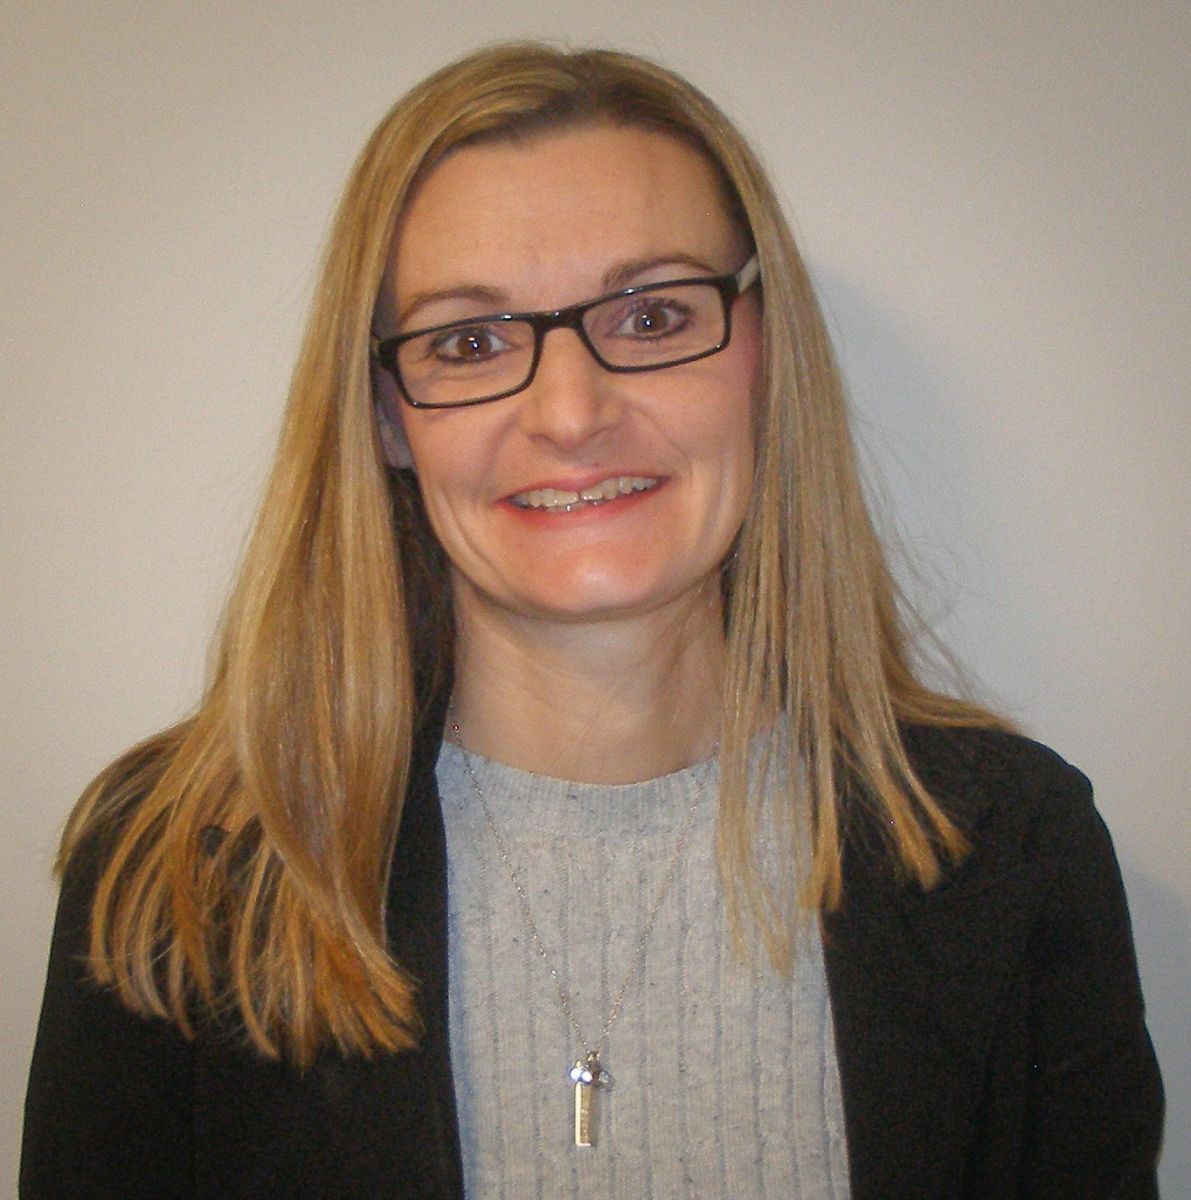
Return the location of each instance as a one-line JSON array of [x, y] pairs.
[[243, 855]]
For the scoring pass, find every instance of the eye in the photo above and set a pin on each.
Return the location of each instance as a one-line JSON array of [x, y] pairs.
[[651, 317], [468, 344]]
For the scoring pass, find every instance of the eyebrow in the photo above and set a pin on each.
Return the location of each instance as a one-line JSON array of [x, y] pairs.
[[622, 274], [615, 278], [467, 291]]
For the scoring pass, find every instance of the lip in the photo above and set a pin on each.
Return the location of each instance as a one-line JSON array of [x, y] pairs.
[[621, 503], [578, 483]]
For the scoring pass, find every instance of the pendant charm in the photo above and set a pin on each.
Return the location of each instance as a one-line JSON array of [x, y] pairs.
[[586, 1075]]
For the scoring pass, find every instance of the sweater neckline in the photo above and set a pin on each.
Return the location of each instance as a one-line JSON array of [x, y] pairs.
[[524, 801]]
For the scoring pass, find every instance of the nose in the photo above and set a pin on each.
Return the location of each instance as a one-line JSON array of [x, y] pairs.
[[572, 399]]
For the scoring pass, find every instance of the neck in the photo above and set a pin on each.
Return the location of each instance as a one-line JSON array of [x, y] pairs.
[[611, 701]]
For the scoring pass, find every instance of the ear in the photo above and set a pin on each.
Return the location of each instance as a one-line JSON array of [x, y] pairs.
[[387, 405]]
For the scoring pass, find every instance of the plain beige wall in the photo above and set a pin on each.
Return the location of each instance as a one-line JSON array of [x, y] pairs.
[[994, 199]]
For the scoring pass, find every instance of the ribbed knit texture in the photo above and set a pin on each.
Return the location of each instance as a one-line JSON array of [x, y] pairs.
[[724, 1078]]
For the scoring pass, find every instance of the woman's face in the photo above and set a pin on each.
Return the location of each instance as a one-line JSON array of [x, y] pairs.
[[541, 225]]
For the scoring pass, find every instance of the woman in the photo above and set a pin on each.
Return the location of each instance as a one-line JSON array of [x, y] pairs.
[[593, 832]]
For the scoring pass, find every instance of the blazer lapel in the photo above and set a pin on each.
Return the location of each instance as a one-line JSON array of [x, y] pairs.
[[920, 983], [916, 990]]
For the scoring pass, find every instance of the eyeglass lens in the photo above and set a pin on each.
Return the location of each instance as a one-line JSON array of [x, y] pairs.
[[470, 361]]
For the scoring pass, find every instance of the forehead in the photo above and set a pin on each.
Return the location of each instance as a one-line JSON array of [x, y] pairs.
[[556, 210]]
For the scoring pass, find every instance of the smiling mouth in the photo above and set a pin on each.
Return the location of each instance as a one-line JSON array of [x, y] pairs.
[[558, 500]]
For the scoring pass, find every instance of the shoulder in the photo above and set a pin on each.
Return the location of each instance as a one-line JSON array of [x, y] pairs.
[[107, 1108], [1028, 816], [999, 785], [992, 759]]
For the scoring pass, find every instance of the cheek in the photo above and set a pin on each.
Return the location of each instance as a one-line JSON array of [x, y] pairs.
[[749, 408], [438, 472], [434, 442], [450, 458], [747, 342], [740, 408]]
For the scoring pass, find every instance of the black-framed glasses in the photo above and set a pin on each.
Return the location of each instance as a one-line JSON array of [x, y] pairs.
[[643, 328]]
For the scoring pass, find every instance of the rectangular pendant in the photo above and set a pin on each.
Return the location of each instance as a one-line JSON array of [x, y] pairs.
[[583, 1101]]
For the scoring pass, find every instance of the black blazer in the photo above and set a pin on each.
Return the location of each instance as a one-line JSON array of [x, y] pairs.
[[990, 1033]]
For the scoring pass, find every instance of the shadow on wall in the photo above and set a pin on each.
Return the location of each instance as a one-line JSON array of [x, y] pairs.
[[923, 425]]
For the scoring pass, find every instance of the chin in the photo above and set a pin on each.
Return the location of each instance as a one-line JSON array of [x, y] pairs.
[[608, 596]]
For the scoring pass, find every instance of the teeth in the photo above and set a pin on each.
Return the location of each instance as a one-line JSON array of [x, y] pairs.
[[557, 500]]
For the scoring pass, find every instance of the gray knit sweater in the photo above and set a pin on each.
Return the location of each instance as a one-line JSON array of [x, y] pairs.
[[723, 1078]]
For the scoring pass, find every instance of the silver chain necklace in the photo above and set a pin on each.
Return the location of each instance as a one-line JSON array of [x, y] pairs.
[[588, 1071]]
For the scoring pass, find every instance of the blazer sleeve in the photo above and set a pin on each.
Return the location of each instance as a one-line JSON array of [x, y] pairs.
[[1096, 1104], [108, 1108]]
